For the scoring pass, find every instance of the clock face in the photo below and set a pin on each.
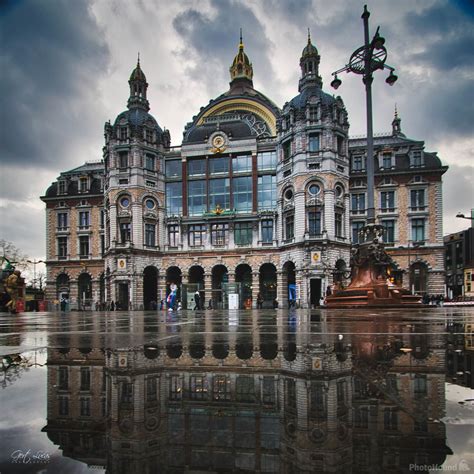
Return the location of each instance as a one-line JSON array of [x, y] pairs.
[[218, 141]]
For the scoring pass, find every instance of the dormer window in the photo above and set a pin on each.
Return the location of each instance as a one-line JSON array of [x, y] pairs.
[[149, 136], [62, 187], [123, 133], [386, 161], [358, 163], [313, 113], [83, 188], [417, 159]]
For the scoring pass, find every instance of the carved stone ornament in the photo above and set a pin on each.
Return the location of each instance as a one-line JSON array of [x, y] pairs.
[[150, 214], [288, 206], [124, 213], [314, 201]]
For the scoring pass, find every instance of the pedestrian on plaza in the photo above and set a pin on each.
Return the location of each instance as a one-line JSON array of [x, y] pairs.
[[97, 307], [209, 306], [162, 303], [275, 304], [197, 301], [259, 301], [63, 304], [328, 291], [112, 306]]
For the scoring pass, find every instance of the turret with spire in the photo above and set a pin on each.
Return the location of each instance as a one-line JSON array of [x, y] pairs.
[[397, 125], [138, 88], [241, 71], [309, 64]]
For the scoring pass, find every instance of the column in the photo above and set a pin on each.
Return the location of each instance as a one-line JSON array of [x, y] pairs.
[[301, 282], [329, 212], [282, 291], [255, 288], [207, 289], [299, 216]]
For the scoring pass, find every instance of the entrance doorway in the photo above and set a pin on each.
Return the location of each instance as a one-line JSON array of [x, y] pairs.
[[219, 279], [268, 284], [150, 288], [122, 303], [84, 283], [315, 291]]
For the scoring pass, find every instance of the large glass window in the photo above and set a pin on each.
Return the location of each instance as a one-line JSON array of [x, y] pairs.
[[242, 164], [173, 235], [267, 231], [266, 160], [125, 232], [418, 230], [358, 203], [196, 235], [314, 223], [356, 227], [221, 388], [197, 198], [218, 165], [197, 167], [174, 199], [289, 227], [245, 389], [313, 142], [150, 235], [267, 192], [242, 191], [219, 193], [174, 169], [198, 387], [389, 231], [243, 233], [62, 247], [417, 199], [387, 201], [150, 162], [219, 234]]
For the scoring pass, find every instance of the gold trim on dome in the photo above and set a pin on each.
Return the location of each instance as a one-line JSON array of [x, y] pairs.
[[242, 104]]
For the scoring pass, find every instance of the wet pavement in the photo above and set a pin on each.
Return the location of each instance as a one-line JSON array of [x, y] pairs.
[[238, 391]]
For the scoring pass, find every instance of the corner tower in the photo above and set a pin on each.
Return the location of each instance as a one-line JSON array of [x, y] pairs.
[[313, 182], [134, 195]]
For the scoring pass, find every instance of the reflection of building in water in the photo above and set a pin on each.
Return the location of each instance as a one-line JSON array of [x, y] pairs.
[[460, 353], [268, 395], [76, 390]]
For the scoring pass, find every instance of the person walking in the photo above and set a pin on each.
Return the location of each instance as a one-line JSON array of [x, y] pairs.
[[197, 301]]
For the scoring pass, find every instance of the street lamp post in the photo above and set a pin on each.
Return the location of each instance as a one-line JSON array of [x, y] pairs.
[[34, 262], [365, 61], [370, 284]]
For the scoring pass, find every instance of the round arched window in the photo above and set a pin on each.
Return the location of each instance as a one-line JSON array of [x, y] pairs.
[[339, 190], [125, 202], [150, 204], [288, 194], [314, 189]]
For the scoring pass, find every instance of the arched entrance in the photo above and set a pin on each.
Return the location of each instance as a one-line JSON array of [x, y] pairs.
[[418, 277], [268, 284], [289, 284], [173, 280], [62, 286], [340, 269], [219, 279], [84, 284], [243, 275], [150, 288], [195, 283]]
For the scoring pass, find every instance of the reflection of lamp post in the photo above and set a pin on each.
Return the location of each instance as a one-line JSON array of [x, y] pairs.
[[34, 262]]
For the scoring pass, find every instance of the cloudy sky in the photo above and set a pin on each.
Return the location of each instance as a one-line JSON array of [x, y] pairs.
[[65, 66]]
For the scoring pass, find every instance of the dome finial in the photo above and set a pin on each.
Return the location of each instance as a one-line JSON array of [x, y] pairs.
[[396, 111], [138, 60], [309, 36], [241, 66], [397, 124]]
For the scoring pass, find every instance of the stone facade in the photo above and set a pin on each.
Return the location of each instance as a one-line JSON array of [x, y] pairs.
[[257, 201]]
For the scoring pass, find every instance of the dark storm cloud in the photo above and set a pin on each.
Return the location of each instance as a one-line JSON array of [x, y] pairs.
[[52, 56], [211, 41]]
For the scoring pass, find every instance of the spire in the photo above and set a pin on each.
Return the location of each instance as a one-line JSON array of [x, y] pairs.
[[138, 88], [397, 124], [309, 63], [241, 70]]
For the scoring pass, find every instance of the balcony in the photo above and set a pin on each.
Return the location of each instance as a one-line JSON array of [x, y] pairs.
[[387, 210]]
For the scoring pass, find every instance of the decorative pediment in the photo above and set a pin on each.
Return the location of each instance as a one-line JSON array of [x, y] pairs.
[[314, 201], [150, 214], [288, 206], [124, 213]]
